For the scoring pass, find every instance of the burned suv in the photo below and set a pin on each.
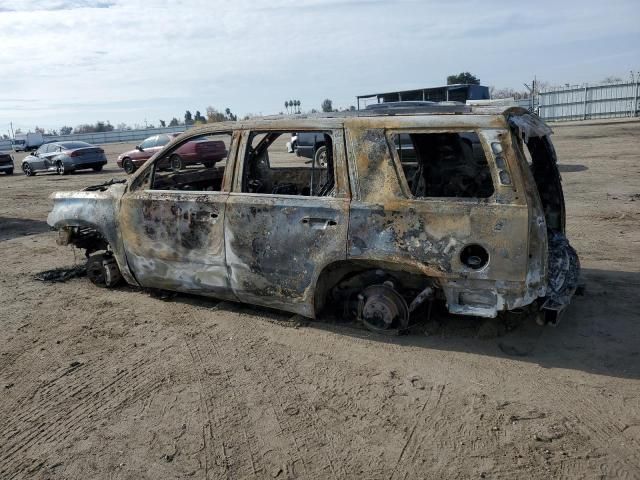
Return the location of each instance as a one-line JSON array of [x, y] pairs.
[[429, 203]]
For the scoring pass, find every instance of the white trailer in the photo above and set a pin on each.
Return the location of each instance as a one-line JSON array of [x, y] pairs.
[[27, 141]]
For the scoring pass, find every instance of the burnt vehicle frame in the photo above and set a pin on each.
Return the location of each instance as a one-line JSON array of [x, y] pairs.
[[366, 244]]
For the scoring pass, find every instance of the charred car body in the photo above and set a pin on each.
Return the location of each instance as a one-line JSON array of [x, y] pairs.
[[413, 205]]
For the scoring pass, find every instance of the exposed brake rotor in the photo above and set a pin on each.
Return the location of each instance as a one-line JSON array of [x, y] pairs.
[[382, 309]]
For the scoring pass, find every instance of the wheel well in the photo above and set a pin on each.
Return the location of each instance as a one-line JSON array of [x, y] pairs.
[[82, 236], [364, 272]]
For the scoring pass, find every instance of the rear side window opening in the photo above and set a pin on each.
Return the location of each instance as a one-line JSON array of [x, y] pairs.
[[289, 163], [443, 164]]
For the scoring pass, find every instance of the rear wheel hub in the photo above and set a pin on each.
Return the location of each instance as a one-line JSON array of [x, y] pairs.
[[382, 309]]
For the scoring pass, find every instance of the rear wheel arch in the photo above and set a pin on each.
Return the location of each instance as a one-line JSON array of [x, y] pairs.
[[336, 272]]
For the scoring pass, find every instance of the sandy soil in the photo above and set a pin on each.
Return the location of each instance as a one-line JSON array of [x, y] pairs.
[[123, 385]]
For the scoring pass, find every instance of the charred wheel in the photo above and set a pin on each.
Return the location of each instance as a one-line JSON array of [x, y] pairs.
[[103, 270], [382, 309]]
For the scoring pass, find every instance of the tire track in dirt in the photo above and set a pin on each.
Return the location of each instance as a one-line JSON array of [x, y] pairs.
[[273, 421], [412, 444], [210, 419], [594, 420], [238, 416], [63, 414], [47, 394], [293, 379], [233, 408]]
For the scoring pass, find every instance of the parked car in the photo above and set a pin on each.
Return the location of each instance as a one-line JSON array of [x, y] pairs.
[[310, 145], [24, 142], [191, 153], [464, 220], [63, 158], [6, 163]]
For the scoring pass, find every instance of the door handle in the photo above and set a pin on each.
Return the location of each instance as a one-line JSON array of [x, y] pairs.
[[317, 222], [202, 217]]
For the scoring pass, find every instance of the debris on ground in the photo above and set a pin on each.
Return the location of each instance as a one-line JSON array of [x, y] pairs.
[[61, 274]]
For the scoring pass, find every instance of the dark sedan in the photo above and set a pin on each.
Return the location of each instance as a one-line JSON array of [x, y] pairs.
[[64, 157], [6, 163]]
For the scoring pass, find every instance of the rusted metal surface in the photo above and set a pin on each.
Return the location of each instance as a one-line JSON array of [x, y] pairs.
[[275, 250]]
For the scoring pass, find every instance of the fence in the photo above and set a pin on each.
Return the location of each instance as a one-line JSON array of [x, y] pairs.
[[104, 137], [115, 135], [590, 102]]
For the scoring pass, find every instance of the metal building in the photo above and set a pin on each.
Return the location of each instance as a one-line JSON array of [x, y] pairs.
[[452, 93]]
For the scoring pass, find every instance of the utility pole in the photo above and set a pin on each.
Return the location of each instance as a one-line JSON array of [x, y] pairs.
[[13, 135], [532, 94]]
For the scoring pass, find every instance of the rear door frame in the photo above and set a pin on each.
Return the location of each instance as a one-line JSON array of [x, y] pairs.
[[278, 245]]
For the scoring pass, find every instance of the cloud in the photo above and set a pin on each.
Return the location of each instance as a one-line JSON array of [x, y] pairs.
[[80, 61], [49, 5]]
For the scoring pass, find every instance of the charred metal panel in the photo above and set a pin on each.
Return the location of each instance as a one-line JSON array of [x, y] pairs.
[[94, 209], [427, 235], [175, 240], [278, 245]]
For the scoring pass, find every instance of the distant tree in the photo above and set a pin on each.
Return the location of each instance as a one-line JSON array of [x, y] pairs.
[[352, 108], [313, 110], [213, 115], [611, 79], [199, 119], [327, 105], [463, 77], [52, 132], [104, 126], [99, 126], [297, 105], [174, 122], [39, 130], [188, 118], [229, 115], [162, 123], [122, 126], [496, 93], [18, 131], [65, 130], [286, 105]]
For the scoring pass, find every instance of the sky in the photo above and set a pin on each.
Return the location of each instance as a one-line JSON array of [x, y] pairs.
[[69, 62]]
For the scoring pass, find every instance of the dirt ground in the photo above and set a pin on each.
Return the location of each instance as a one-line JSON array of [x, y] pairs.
[[123, 385]]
